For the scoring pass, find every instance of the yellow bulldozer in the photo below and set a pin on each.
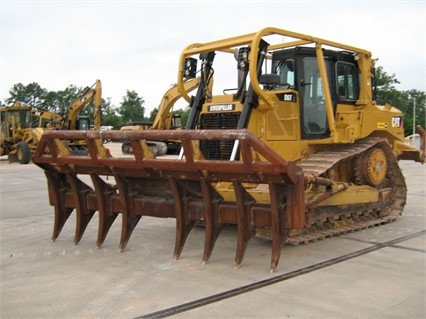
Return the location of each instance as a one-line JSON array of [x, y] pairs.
[[295, 150]]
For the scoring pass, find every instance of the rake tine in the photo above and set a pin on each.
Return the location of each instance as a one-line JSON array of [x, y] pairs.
[[57, 187], [245, 231], [129, 219], [183, 222], [107, 217], [275, 226], [213, 227], [83, 213]]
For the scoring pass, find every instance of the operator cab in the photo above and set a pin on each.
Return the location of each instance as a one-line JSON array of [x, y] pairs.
[[83, 123], [13, 118], [298, 69]]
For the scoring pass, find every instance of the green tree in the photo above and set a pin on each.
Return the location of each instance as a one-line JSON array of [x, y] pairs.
[[59, 101], [184, 114], [32, 94], [110, 115], [132, 107], [385, 90], [152, 115]]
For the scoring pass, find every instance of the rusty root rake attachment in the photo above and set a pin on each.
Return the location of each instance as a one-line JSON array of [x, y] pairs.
[[186, 189]]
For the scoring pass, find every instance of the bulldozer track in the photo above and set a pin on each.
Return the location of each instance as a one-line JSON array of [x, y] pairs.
[[313, 235], [318, 163], [362, 217]]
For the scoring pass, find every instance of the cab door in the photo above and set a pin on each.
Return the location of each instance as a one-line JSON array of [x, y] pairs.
[[284, 120], [313, 115]]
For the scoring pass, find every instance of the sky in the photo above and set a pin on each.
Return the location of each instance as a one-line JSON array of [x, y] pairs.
[[136, 45]]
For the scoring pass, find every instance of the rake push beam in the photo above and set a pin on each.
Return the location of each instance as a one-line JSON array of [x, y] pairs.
[[188, 189]]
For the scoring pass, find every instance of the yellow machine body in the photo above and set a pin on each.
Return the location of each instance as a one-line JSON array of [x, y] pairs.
[[296, 150]]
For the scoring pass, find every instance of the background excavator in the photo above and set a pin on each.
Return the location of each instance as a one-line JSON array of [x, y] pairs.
[[164, 120], [297, 150], [74, 121]]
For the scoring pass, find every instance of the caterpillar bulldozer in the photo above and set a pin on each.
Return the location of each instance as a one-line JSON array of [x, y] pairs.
[[294, 150], [164, 120]]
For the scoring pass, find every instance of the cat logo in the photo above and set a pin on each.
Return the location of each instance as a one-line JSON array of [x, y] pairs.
[[221, 107]]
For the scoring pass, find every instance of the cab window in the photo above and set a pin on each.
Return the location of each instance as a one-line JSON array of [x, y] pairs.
[[285, 69], [313, 108], [347, 81]]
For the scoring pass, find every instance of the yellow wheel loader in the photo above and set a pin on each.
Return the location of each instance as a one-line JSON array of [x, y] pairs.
[[21, 129], [295, 150]]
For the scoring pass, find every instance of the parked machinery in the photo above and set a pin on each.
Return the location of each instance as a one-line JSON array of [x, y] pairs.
[[23, 125], [297, 150], [164, 120], [73, 120], [21, 129]]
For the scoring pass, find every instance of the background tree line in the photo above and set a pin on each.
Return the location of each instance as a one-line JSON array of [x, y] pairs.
[[132, 106]]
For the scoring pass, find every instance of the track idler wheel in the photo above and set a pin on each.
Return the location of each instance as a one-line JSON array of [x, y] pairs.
[[373, 166]]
